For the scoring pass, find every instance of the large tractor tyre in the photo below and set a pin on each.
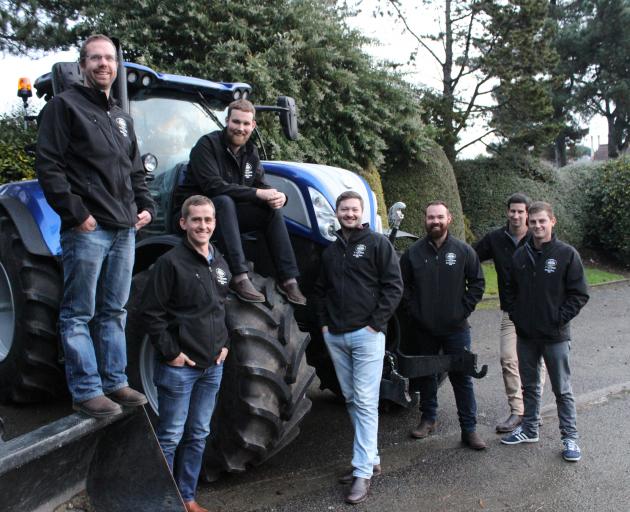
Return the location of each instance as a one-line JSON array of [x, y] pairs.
[[317, 355], [263, 399], [30, 293]]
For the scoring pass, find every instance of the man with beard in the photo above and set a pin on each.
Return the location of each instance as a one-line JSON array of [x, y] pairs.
[[357, 292], [443, 284], [499, 245], [225, 166], [546, 289]]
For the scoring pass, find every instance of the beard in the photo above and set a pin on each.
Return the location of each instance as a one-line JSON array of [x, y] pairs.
[[435, 231]]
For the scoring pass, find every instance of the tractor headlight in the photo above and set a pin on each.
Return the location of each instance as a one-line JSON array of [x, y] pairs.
[[325, 215]]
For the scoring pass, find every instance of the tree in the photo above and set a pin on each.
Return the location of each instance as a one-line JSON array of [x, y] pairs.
[[16, 163]]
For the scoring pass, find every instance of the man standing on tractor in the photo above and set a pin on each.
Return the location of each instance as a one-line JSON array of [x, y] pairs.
[[546, 289], [499, 245], [357, 292], [443, 284], [183, 309], [225, 166], [90, 170]]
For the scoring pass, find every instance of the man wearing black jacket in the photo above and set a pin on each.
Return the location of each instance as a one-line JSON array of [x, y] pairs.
[[545, 290], [443, 284], [183, 309], [357, 292], [499, 245], [225, 166], [89, 168]]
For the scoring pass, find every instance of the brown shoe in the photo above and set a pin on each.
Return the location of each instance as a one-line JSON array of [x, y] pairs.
[[98, 407], [245, 291], [128, 397], [513, 421], [424, 429], [193, 506], [347, 477], [292, 292], [473, 440], [359, 490]]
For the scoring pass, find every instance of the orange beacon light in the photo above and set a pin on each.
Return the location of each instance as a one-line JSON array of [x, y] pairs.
[[24, 89]]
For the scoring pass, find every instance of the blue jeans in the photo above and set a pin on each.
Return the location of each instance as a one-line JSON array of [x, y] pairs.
[[186, 398], [556, 357], [358, 359], [454, 343], [97, 267]]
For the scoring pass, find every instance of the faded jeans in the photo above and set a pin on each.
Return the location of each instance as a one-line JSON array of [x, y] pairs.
[[97, 267], [556, 357], [358, 359]]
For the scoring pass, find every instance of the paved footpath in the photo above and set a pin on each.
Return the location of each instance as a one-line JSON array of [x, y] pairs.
[[438, 474]]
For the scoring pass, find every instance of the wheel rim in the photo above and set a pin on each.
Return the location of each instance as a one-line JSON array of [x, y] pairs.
[[7, 315], [147, 370]]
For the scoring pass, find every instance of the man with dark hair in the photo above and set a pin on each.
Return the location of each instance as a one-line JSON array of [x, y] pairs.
[[546, 289], [499, 245], [357, 292], [225, 166], [443, 284], [89, 168], [183, 309]]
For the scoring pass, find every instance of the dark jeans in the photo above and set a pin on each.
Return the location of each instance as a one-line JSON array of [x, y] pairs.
[[236, 218], [454, 343], [556, 357]]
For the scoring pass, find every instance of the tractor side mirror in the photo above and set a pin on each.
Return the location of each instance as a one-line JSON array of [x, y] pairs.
[[288, 117]]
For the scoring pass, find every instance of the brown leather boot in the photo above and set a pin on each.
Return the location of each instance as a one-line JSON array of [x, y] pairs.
[[293, 293], [513, 421], [245, 291], [128, 397], [473, 440], [424, 429], [347, 477], [359, 490], [98, 407]]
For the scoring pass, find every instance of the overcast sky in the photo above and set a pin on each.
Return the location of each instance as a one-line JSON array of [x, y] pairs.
[[394, 45]]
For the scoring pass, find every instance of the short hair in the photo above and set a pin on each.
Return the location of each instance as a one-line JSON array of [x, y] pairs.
[[242, 105], [91, 39], [348, 194], [519, 198], [437, 203], [540, 206], [195, 201]]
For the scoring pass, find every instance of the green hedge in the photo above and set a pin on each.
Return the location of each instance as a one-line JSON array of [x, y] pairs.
[[15, 163], [486, 183], [419, 183]]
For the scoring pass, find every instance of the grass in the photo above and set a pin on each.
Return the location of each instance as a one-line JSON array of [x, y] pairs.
[[593, 276]]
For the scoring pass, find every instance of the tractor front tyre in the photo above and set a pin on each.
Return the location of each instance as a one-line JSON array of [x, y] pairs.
[[30, 294]]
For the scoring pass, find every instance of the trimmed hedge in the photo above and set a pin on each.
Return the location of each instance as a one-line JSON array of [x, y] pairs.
[[422, 182], [373, 178], [15, 163], [486, 183]]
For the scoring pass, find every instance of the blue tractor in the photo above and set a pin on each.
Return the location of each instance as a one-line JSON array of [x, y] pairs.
[[263, 397]]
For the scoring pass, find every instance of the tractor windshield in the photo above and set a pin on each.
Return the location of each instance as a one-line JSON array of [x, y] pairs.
[[169, 124]]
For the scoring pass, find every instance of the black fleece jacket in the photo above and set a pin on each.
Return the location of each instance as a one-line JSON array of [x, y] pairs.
[[442, 286], [213, 170], [499, 246], [183, 305], [88, 162], [545, 290], [359, 283]]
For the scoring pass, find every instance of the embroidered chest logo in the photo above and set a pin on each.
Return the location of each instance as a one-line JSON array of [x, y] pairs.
[[359, 251], [450, 259], [122, 126], [221, 276], [249, 172], [550, 265]]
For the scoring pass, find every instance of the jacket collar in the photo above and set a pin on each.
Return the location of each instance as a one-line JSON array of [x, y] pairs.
[[429, 241], [97, 97], [224, 141], [355, 234], [522, 241], [190, 247]]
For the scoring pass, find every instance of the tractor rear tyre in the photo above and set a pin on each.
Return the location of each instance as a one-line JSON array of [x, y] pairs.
[[30, 293], [262, 399]]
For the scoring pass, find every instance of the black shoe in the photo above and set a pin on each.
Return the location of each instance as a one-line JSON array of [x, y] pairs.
[[359, 490], [245, 291], [98, 407], [347, 477], [128, 397]]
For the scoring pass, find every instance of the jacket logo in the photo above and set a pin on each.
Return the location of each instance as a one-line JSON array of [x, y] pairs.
[[450, 259], [122, 126], [359, 251], [248, 171], [550, 265], [221, 276]]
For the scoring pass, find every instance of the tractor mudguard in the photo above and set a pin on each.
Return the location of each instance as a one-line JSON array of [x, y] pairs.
[[117, 459], [26, 226]]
